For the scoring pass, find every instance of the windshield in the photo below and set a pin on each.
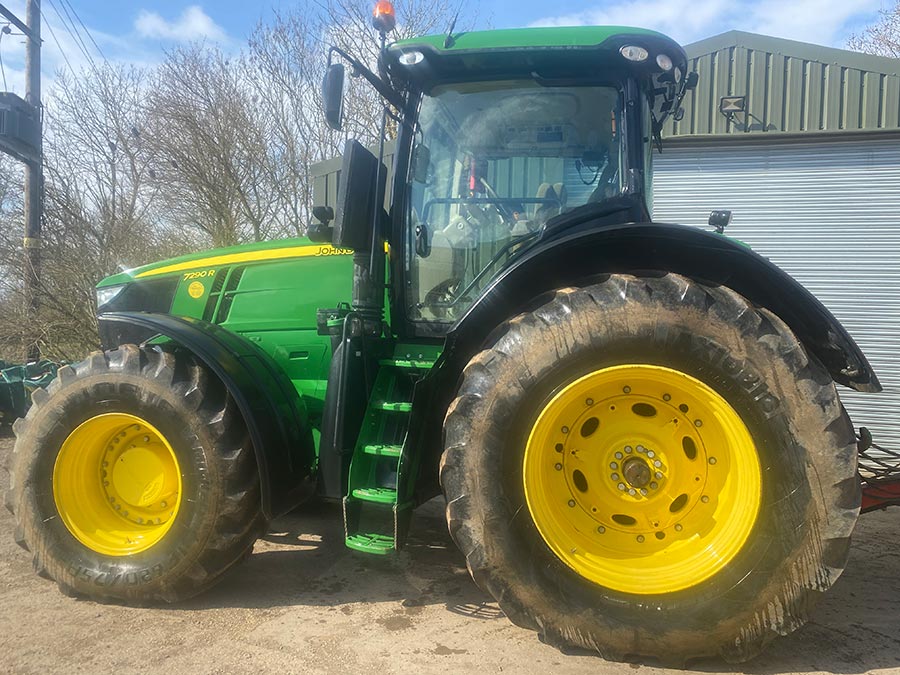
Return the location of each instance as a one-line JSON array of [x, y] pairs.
[[492, 162]]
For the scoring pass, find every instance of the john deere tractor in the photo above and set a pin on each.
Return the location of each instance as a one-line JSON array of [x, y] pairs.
[[635, 425]]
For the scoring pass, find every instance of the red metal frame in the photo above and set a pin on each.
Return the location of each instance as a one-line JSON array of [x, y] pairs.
[[881, 493]]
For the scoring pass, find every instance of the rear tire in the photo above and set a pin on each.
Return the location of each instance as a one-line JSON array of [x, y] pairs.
[[190, 442], [794, 547]]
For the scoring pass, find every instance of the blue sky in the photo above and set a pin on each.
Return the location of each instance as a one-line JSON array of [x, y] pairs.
[[140, 30]]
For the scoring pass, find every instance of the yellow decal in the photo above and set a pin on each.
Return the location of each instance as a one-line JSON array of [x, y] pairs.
[[249, 256], [199, 275], [196, 289]]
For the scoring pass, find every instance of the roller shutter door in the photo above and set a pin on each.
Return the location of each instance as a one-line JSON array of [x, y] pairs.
[[827, 212]]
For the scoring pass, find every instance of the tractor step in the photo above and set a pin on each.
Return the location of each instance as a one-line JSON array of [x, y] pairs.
[[394, 406], [377, 495], [383, 450], [379, 544]]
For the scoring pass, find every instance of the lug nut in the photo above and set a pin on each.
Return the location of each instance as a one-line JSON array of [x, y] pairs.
[[571, 502], [657, 463], [658, 475], [615, 476], [601, 529], [589, 401], [632, 492], [557, 466], [644, 491], [641, 448], [654, 485], [704, 499], [565, 430], [613, 465], [618, 455], [712, 460], [621, 486], [628, 449], [640, 539], [650, 454], [146, 439], [698, 423], [626, 389], [678, 527], [163, 504], [667, 397]]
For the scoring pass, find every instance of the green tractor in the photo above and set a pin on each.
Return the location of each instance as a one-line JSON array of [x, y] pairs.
[[635, 425]]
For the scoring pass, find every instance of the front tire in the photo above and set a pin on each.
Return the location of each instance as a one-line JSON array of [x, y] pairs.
[[133, 478], [741, 489]]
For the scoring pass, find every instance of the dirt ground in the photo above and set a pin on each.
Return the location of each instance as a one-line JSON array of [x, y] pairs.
[[305, 604]]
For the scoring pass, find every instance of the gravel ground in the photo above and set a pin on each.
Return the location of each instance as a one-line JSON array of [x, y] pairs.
[[305, 604]]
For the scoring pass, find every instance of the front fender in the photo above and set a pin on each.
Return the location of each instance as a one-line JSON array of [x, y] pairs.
[[575, 257], [270, 405]]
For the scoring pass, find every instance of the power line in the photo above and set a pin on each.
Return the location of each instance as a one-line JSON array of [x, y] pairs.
[[90, 36], [58, 45], [75, 35]]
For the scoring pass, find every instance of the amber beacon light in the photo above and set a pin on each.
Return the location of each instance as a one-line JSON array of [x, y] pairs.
[[383, 17]]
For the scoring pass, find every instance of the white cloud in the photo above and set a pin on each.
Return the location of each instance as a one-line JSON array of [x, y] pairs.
[[193, 24], [825, 22]]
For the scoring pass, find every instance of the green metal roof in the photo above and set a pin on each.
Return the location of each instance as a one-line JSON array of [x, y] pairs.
[[791, 87], [525, 38]]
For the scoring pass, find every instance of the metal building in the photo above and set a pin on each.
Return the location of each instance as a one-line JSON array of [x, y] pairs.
[[810, 169]]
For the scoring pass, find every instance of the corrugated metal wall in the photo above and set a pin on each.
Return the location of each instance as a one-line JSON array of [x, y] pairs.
[[828, 212], [790, 87]]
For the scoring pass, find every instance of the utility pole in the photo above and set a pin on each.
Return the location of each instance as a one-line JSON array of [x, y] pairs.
[[34, 178], [20, 137]]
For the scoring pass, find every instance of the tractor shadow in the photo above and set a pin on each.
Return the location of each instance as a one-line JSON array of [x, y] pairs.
[[303, 562]]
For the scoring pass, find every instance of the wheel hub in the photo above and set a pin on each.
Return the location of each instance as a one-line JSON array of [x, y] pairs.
[[636, 472], [655, 481]]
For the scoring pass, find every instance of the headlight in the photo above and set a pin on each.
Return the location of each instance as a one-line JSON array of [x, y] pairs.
[[107, 294], [664, 62], [411, 58], [634, 53]]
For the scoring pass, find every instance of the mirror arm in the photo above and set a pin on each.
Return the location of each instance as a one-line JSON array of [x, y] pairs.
[[382, 87]]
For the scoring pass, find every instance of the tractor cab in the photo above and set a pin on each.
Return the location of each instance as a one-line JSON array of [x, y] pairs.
[[505, 138]]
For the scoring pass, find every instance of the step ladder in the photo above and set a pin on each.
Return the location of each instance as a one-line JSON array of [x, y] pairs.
[[376, 512]]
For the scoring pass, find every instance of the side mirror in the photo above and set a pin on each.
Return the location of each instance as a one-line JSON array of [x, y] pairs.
[[333, 95], [421, 160], [357, 195], [320, 232]]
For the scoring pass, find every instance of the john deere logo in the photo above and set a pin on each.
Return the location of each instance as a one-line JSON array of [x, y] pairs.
[[196, 289]]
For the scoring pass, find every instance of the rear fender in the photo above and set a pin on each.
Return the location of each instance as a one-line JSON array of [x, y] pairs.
[[573, 259], [270, 405]]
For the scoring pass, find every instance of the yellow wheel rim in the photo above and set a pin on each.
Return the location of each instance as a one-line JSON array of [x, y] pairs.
[[642, 479], [117, 484]]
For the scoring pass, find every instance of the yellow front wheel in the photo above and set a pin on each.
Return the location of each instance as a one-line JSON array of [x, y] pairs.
[[117, 484], [133, 478]]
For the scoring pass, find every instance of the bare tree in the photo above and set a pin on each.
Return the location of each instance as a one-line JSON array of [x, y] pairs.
[[212, 146], [882, 37]]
